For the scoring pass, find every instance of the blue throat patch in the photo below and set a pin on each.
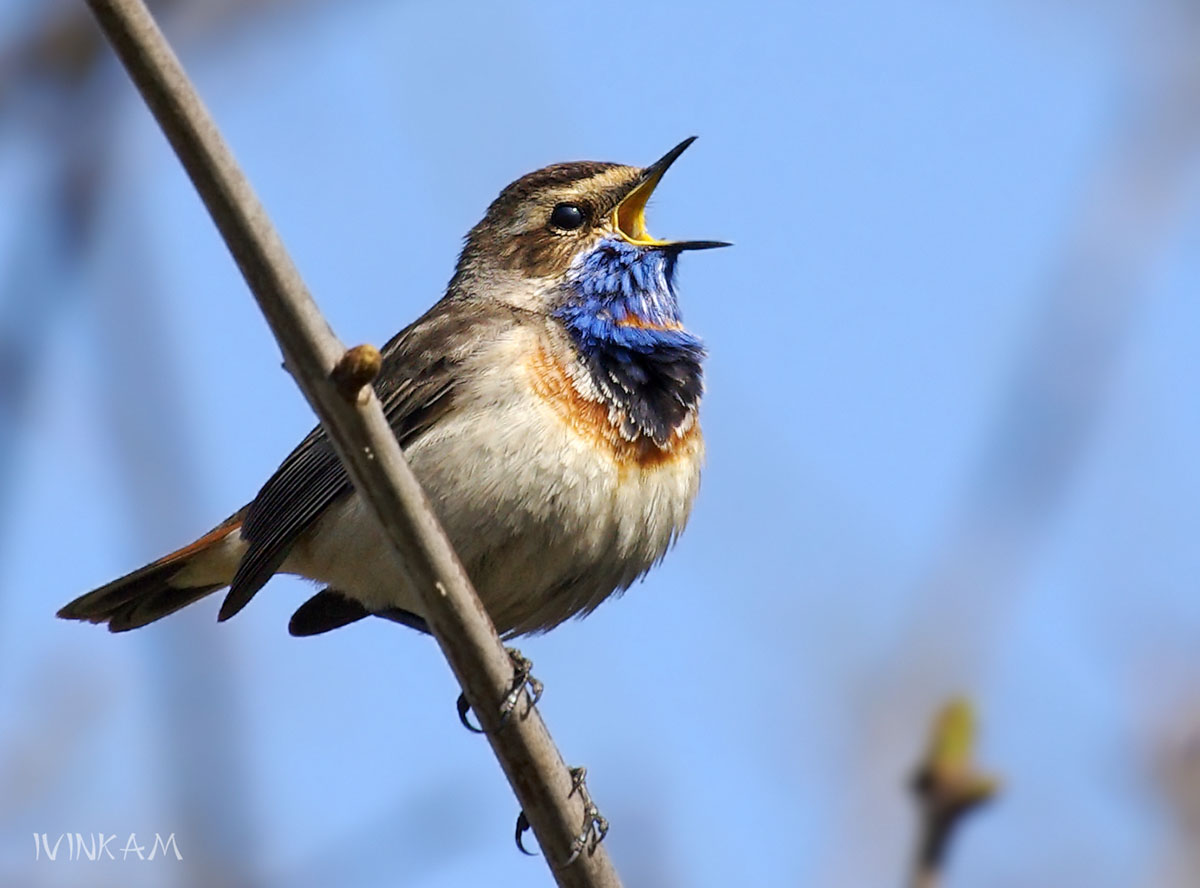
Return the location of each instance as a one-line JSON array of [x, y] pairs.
[[623, 314]]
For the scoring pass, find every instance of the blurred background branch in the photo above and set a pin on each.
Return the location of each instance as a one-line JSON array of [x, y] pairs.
[[56, 91], [947, 787], [1055, 397]]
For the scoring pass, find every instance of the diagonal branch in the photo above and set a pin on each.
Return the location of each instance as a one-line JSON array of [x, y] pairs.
[[364, 441]]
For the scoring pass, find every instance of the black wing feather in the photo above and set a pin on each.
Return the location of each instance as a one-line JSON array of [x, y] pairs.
[[325, 611]]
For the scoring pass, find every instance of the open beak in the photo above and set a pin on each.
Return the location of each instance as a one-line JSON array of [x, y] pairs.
[[629, 217]]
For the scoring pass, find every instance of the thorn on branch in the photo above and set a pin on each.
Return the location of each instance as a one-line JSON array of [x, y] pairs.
[[355, 371], [947, 787]]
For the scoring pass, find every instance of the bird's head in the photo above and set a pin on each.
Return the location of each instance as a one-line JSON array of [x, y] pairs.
[[572, 230]]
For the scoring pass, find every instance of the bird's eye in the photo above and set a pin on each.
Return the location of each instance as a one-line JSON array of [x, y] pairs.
[[567, 216]]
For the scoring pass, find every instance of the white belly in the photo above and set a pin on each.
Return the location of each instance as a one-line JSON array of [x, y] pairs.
[[546, 521]]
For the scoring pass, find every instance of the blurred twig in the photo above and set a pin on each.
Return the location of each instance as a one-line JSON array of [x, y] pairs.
[[947, 788], [1055, 397], [63, 47], [1173, 747], [368, 448]]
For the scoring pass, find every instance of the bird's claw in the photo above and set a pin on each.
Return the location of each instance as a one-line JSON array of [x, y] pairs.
[[595, 826], [463, 708], [522, 828], [523, 680]]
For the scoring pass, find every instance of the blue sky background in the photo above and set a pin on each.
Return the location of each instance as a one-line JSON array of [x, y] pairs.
[[953, 258]]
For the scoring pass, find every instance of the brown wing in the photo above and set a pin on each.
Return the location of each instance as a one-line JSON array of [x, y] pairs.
[[416, 385]]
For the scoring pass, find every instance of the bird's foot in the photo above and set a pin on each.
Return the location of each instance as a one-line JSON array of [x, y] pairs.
[[523, 680], [595, 825]]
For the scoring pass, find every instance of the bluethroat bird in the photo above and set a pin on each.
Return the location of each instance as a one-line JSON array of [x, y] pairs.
[[547, 404]]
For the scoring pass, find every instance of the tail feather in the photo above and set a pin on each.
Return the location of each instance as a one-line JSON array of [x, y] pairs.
[[164, 586], [155, 605]]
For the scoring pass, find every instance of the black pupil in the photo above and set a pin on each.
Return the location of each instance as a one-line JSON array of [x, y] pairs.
[[567, 216]]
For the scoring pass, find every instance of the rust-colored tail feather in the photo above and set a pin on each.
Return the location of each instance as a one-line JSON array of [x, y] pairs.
[[148, 594]]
